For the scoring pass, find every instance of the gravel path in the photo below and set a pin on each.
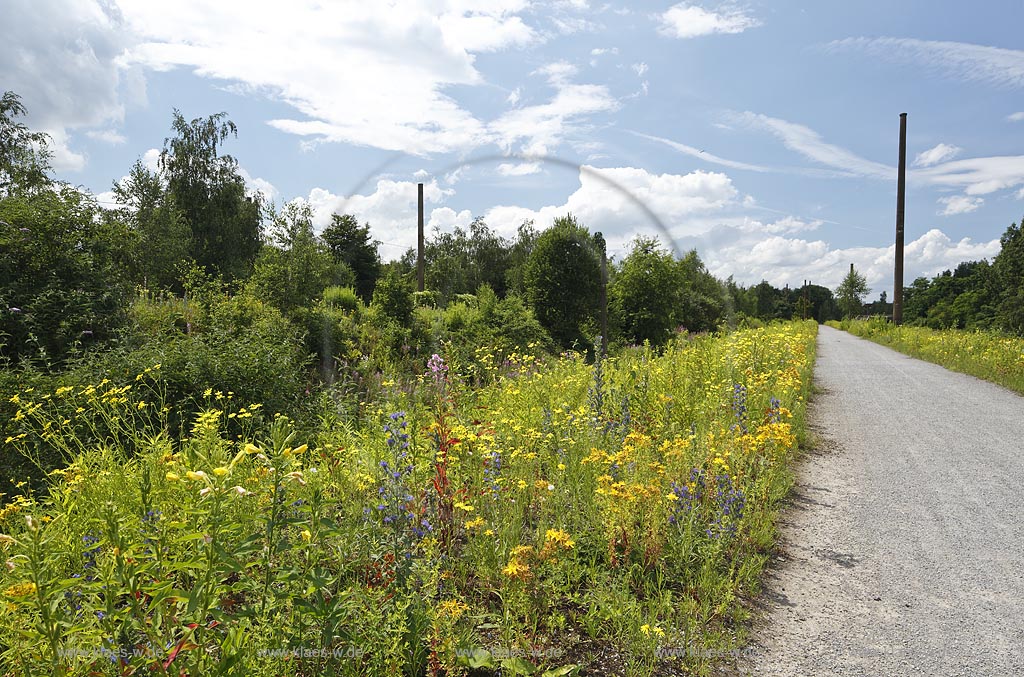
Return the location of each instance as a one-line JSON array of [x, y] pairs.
[[903, 547]]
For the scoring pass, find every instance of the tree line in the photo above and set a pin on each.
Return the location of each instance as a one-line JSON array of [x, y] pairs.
[[77, 276]]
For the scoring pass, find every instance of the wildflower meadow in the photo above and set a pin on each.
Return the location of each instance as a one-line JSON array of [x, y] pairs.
[[525, 516]]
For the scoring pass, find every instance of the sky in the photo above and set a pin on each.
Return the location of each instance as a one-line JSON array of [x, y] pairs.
[[762, 134]]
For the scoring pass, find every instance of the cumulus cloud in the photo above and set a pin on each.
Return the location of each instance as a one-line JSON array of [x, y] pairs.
[[612, 200], [390, 210], [975, 63], [784, 260], [686, 20], [62, 58], [959, 204], [933, 156]]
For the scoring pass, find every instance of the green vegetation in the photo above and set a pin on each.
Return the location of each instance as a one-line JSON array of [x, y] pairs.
[[559, 515], [994, 357]]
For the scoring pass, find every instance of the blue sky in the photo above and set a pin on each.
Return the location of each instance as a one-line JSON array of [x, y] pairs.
[[763, 134]]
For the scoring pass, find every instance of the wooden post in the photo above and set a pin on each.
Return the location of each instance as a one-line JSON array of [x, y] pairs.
[[604, 292], [420, 264], [901, 196]]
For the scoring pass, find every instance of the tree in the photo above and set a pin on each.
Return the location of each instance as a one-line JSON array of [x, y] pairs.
[[851, 293], [24, 154], [563, 281], [210, 193], [62, 289], [295, 266], [350, 243], [163, 239], [1008, 267], [645, 296]]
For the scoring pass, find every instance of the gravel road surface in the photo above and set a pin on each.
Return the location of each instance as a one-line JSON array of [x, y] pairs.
[[902, 551]]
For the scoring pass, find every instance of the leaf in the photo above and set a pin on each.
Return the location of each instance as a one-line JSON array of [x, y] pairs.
[[518, 666], [479, 658]]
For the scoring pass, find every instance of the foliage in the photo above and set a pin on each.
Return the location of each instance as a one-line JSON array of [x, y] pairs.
[[563, 281], [392, 299], [851, 292], [645, 296], [295, 266], [61, 282], [561, 514], [1008, 268], [24, 154], [209, 191], [350, 245], [162, 238]]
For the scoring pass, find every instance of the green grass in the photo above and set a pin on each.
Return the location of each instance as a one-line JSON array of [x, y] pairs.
[[566, 516], [990, 356]]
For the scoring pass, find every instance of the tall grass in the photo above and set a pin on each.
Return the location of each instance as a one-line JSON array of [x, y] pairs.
[[608, 516]]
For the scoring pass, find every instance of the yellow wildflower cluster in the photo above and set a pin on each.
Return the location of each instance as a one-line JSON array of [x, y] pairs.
[[21, 590]]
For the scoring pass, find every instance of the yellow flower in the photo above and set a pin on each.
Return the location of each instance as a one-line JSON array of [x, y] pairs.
[[220, 472], [300, 450], [516, 569], [560, 538], [306, 535], [452, 608], [21, 589], [197, 475], [252, 449]]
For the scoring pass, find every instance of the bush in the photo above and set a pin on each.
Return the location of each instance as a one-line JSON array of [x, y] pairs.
[[342, 298]]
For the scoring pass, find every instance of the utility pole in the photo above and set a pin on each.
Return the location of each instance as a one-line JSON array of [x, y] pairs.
[[604, 292], [901, 196], [420, 265]]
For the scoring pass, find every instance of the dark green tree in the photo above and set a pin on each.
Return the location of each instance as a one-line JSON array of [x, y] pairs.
[[563, 281], [350, 243], [1008, 267], [209, 191], [645, 296], [62, 288]]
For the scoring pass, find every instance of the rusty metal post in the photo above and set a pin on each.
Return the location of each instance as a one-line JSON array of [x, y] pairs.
[[420, 264], [901, 196]]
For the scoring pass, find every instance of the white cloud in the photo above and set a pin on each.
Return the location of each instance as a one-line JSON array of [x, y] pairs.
[[702, 155], [780, 260], [518, 169], [514, 96], [686, 20], [1020, 194], [302, 53], [447, 219], [959, 204], [255, 184], [603, 203], [977, 176], [809, 143], [62, 58], [933, 156], [541, 127], [640, 69], [390, 210], [974, 63], [1015, 117], [598, 51], [110, 136]]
